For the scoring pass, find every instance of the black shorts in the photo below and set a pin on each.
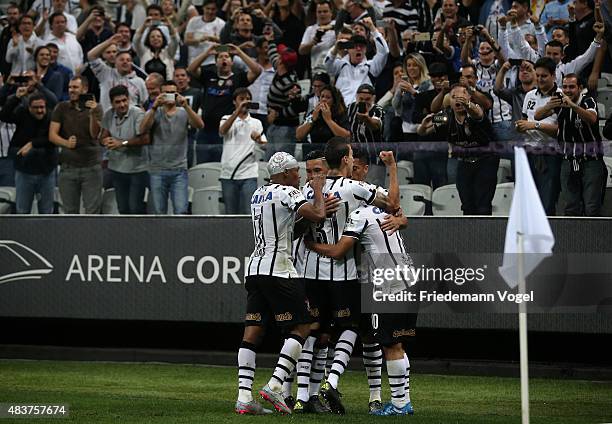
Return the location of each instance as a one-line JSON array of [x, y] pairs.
[[345, 303], [282, 300], [389, 329], [319, 302]]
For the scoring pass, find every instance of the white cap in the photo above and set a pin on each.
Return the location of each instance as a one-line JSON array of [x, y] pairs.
[[280, 162]]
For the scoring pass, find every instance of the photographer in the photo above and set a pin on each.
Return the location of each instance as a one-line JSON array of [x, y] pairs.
[[29, 84], [469, 132], [319, 38], [239, 170], [583, 172]]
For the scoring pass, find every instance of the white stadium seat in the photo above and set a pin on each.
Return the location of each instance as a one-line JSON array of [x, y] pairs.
[[7, 197], [503, 199], [109, 202], [405, 173], [207, 201], [205, 175], [445, 201], [504, 172], [409, 204]]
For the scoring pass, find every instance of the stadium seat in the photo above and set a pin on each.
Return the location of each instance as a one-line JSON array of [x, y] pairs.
[[205, 175], [7, 199], [503, 199], [414, 198], [605, 98], [445, 201], [263, 176], [207, 201], [405, 173], [504, 172]]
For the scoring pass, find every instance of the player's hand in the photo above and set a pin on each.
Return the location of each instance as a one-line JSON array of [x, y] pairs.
[[387, 158], [332, 204], [317, 182], [71, 143], [392, 223], [25, 149]]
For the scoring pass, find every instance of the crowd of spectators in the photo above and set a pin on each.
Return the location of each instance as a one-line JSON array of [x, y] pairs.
[[130, 95]]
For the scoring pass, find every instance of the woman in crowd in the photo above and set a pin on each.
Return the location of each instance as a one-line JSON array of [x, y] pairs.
[[156, 53], [50, 79]]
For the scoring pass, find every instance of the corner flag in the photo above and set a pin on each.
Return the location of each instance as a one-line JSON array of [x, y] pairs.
[[528, 219]]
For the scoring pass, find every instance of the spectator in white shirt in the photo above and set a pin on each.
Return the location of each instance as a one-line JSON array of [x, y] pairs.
[[43, 29], [157, 53], [204, 30], [239, 170], [20, 48], [355, 69], [319, 38], [71, 53]]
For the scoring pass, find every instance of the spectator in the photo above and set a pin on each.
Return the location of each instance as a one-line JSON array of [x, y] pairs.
[[43, 28], [154, 84], [202, 31], [366, 128], [290, 23], [127, 158], [284, 100], [94, 30], [122, 74], [65, 72], [218, 87], [430, 164], [583, 172], [70, 51], [239, 169], [7, 169], [319, 81], [352, 71], [168, 150], [50, 79], [319, 38], [448, 18], [35, 158], [519, 14], [80, 158], [404, 13], [416, 80], [132, 12], [561, 35], [327, 120], [20, 48], [156, 53], [354, 11], [33, 86], [469, 79], [124, 42], [555, 14], [468, 131], [194, 98], [12, 27], [261, 86], [392, 124], [540, 134]]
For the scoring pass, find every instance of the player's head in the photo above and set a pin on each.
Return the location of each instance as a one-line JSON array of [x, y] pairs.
[[284, 169], [339, 155], [315, 164], [361, 163]]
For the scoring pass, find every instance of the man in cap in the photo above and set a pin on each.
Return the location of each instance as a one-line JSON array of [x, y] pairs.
[[355, 69], [273, 291]]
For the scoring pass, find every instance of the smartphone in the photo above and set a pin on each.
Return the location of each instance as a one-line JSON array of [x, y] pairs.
[[515, 62], [223, 48], [361, 107], [422, 36], [345, 44], [381, 23], [253, 106], [156, 22], [169, 97], [84, 98], [21, 79], [559, 94]]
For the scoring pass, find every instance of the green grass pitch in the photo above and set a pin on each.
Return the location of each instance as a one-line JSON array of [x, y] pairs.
[[164, 393]]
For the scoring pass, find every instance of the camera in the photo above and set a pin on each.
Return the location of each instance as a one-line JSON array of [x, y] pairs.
[[559, 95], [156, 23], [345, 44], [84, 98], [440, 118], [362, 107], [478, 29], [223, 48], [253, 106], [515, 62], [21, 79], [169, 97]]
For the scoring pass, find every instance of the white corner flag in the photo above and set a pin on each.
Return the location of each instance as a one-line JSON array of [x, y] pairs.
[[527, 219]]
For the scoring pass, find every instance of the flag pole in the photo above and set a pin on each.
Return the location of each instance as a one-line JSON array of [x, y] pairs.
[[523, 334]]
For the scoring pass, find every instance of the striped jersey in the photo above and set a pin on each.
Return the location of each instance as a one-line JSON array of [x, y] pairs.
[[352, 195], [501, 110], [382, 251], [273, 211]]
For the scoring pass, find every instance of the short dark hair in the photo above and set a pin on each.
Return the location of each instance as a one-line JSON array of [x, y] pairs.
[[122, 24], [13, 6], [38, 49], [118, 90], [470, 65], [25, 17], [323, 77], [315, 155], [52, 46], [36, 96], [362, 155], [240, 91], [147, 42], [168, 82], [55, 15], [335, 149], [155, 7], [573, 75], [546, 63], [555, 43], [83, 79], [562, 28], [525, 3]]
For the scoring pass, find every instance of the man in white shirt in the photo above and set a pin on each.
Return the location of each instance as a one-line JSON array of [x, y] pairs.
[[239, 170], [70, 51], [319, 38], [43, 27], [204, 30]]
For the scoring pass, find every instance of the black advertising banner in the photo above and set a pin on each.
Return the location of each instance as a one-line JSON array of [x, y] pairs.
[[192, 269]]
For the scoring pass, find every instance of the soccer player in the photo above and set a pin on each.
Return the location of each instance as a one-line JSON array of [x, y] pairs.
[[273, 292], [332, 286], [385, 249]]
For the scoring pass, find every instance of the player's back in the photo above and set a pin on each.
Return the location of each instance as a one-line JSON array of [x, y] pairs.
[[273, 210]]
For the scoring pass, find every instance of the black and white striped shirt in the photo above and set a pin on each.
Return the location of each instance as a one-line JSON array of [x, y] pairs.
[[501, 110], [364, 135], [6, 134], [273, 210], [278, 96], [406, 16], [579, 139]]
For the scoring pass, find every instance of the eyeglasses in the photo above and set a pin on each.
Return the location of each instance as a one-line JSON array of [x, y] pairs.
[[486, 52]]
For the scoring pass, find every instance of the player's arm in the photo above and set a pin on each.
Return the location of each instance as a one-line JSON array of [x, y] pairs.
[[392, 223], [336, 251], [390, 202], [314, 212]]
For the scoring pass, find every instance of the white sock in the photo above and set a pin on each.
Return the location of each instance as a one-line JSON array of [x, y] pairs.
[[372, 361], [303, 368], [396, 371], [287, 359], [344, 349], [246, 371], [288, 384], [407, 376], [317, 371], [331, 352]]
